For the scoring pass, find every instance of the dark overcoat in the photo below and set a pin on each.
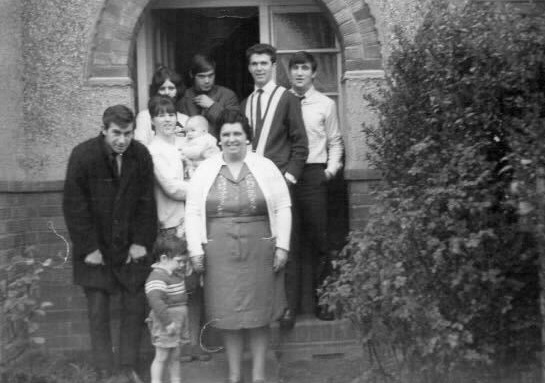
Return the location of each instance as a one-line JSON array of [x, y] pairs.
[[109, 213]]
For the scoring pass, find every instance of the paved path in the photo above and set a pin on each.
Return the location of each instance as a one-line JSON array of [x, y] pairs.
[[215, 370]]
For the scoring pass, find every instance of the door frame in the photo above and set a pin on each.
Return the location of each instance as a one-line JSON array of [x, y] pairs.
[[145, 43]]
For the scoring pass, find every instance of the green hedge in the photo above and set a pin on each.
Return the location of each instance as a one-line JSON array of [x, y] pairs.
[[445, 273]]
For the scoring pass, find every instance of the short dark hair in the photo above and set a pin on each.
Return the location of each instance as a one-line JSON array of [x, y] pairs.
[[303, 57], [160, 76], [232, 117], [161, 104], [260, 49], [201, 63], [169, 245], [120, 115]]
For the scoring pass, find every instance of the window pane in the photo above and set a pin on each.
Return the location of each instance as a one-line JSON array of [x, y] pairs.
[[326, 78], [302, 31]]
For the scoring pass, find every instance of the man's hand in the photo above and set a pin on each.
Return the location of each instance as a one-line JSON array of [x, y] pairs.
[[280, 258], [136, 252], [94, 258], [203, 101], [328, 175], [291, 179]]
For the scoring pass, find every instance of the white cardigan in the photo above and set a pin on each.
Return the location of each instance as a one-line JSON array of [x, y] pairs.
[[269, 179], [170, 187]]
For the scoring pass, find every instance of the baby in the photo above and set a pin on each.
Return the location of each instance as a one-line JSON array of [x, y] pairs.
[[198, 144]]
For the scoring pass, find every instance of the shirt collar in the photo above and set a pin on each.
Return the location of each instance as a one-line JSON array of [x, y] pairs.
[[267, 88], [158, 266], [307, 94]]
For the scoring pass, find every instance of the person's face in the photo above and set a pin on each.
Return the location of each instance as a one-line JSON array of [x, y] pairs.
[[118, 138], [172, 264], [233, 139], [261, 68], [301, 77], [167, 89], [165, 124], [194, 130], [204, 81]]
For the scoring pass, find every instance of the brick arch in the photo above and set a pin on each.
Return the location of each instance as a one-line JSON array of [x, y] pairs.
[[113, 40]]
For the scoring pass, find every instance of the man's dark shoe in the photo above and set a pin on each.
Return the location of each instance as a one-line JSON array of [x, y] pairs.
[[103, 374], [287, 321], [133, 377], [199, 354], [126, 375], [322, 313]]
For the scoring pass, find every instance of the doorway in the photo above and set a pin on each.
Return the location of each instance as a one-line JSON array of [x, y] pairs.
[[222, 33]]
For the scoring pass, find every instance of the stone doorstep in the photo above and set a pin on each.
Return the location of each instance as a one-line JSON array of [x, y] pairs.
[[324, 350], [309, 330]]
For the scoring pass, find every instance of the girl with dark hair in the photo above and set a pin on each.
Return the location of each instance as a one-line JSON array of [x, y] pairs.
[[165, 82]]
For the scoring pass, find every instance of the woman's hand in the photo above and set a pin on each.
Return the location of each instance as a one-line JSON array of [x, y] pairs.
[[280, 258]]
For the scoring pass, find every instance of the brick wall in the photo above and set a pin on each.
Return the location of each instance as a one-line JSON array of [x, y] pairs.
[[28, 214]]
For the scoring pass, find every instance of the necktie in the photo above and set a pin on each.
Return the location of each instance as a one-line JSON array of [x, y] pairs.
[[258, 120], [119, 163], [117, 160]]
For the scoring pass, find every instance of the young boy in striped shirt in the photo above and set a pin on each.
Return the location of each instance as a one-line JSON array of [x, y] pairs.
[[167, 297]]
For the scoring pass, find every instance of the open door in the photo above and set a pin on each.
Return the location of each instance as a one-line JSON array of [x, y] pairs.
[[172, 36]]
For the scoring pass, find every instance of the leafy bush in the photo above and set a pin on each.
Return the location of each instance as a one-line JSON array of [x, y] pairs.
[[20, 306], [39, 367], [444, 273]]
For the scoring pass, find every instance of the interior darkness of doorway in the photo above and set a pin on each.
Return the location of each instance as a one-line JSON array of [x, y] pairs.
[[223, 33]]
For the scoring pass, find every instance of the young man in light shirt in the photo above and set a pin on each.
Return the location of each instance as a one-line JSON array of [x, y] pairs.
[[323, 163]]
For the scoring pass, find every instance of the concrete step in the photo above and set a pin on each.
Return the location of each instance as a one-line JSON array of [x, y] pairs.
[[313, 338]]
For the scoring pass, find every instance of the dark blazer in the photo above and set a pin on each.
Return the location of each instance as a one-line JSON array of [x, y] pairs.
[[224, 98], [109, 213], [287, 143]]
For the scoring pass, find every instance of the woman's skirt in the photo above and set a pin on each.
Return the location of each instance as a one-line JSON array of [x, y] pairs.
[[241, 290]]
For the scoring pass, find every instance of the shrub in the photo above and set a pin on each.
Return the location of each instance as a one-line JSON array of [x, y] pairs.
[[444, 274], [20, 306]]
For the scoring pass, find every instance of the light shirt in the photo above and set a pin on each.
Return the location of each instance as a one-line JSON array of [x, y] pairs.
[[170, 187], [325, 144]]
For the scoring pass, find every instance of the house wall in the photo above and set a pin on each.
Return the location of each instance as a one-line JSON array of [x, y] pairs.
[[64, 61]]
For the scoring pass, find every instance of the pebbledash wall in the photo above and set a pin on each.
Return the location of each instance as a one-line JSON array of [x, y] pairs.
[[64, 61]]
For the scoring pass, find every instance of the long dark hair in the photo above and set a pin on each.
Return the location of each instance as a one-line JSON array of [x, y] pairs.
[[160, 76]]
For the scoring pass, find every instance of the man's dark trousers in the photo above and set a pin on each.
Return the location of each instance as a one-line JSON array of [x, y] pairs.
[[133, 310], [309, 232]]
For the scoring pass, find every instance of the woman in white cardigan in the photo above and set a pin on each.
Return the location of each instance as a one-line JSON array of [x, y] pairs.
[[238, 224]]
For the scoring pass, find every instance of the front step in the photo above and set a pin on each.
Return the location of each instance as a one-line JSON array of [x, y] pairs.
[[313, 338]]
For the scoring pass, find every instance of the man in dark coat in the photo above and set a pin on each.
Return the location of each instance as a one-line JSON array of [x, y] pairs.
[[279, 134], [110, 213]]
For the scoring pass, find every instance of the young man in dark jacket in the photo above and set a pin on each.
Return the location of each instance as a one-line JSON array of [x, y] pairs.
[[110, 213]]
